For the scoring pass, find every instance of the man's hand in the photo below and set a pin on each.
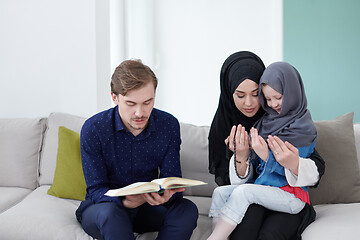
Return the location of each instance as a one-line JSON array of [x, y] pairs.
[[133, 201], [259, 145], [155, 199], [285, 154]]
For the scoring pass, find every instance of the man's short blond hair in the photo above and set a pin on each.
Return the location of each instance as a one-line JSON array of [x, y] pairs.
[[131, 74]]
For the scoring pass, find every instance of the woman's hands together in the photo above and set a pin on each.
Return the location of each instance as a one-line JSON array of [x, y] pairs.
[[240, 137]]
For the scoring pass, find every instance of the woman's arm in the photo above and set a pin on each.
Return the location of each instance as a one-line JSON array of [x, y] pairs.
[[310, 171], [320, 165], [235, 178], [308, 174]]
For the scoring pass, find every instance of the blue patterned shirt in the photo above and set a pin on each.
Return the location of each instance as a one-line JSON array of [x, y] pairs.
[[112, 157]]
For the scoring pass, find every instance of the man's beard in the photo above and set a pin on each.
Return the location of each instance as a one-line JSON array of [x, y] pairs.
[[138, 128]]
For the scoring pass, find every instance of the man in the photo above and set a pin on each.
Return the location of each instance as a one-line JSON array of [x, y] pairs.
[[129, 143]]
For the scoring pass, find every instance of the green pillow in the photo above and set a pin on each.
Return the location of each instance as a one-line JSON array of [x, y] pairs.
[[69, 181]]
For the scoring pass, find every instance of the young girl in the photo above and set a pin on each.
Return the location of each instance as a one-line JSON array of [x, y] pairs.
[[282, 95]]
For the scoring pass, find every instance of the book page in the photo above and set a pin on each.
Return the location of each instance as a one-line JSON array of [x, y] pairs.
[[159, 181], [135, 188], [155, 185], [176, 182]]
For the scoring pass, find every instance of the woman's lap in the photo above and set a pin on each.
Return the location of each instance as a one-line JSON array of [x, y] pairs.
[[251, 223], [261, 223]]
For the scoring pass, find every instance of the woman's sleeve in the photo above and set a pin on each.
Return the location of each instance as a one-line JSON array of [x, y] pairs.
[[219, 161], [320, 164], [310, 171], [234, 178]]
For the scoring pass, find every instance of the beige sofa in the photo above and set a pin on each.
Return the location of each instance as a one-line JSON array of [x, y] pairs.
[[28, 155]]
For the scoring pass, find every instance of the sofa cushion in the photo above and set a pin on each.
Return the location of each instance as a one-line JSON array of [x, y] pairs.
[[334, 221], [11, 196], [203, 204], [336, 145], [20, 144], [194, 158], [42, 216], [50, 146], [69, 181]]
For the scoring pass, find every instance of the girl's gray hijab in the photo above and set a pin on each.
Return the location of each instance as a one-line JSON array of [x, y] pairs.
[[293, 123]]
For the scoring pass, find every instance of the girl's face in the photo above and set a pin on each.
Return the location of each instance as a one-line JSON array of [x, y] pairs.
[[273, 98], [246, 97]]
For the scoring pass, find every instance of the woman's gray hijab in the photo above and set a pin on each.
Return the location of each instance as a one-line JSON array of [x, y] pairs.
[[293, 123]]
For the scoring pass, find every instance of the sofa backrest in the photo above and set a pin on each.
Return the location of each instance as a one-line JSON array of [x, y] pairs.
[[193, 153], [50, 146], [20, 145], [194, 158]]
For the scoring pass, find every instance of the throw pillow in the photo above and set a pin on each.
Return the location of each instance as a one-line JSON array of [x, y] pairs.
[[336, 145], [69, 181]]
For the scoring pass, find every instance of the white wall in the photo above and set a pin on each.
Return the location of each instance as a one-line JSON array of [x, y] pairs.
[[47, 57], [59, 55], [190, 41]]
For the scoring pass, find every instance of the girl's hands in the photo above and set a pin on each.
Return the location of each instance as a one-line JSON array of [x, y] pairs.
[[285, 154], [259, 144]]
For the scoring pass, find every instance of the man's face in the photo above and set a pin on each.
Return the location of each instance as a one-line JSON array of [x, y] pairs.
[[135, 107]]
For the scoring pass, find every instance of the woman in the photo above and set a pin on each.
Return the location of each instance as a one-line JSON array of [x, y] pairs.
[[239, 104]]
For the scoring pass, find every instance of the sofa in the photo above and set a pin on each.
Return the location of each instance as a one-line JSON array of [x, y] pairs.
[[30, 163]]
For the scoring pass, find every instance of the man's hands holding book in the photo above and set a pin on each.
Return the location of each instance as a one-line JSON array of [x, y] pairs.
[[153, 198], [156, 192]]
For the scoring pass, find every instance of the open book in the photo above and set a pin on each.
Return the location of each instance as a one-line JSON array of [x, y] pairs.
[[156, 185]]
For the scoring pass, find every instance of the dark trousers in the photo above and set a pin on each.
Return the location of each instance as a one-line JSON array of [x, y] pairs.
[[107, 220], [260, 223]]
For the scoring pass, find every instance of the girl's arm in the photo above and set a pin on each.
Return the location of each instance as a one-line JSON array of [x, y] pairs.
[[299, 171]]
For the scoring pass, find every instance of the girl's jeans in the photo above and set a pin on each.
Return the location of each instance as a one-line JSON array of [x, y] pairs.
[[232, 201]]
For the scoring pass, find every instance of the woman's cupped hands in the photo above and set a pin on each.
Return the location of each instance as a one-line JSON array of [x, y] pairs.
[[240, 141]]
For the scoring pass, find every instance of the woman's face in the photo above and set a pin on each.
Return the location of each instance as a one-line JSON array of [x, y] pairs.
[[246, 97]]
